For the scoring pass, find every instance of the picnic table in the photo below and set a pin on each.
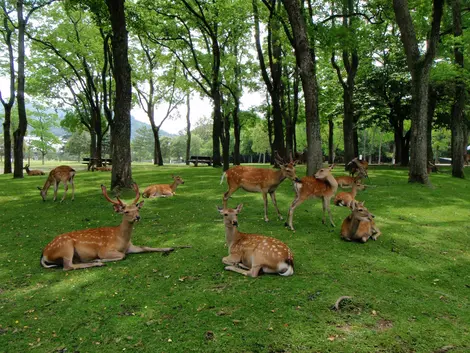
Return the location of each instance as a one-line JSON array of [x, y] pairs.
[[96, 161], [200, 159]]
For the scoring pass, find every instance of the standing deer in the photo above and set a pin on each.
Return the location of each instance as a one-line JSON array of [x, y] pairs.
[[322, 185], [92, 247], [251, 253], [359, 225], [32, 172], [163, 190], [348, 198], [57, 175], [262, 180], [357, 165]]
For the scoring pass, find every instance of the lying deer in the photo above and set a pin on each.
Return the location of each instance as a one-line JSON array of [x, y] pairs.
[[102, 169], [346, 199], [163, 190], [251, 253], [359, 225], [322, 185], [63, 174], [262, 180], [93, 247], [32, 172], [345, 181]]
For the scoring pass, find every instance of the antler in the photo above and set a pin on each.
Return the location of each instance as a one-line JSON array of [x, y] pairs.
[[278, 159], [105, 193], [137, 193]]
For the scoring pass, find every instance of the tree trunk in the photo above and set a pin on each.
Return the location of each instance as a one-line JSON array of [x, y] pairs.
[[331, 144], [458, 122], [236, 134], [20, 132], [121, 130], [432, 103], [217, 130], [348, 127], [7, 140], [305, 60], [188, 128]]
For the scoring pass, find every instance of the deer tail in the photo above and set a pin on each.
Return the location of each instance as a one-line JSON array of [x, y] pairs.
[[44, 264], [222, 179]]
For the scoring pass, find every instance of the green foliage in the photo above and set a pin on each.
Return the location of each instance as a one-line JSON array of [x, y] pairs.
[[41, 124], [409, 288]]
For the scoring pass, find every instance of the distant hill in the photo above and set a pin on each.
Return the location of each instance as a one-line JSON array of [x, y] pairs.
[[136, 124]]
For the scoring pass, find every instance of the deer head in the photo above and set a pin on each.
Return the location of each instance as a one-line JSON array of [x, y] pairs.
[[130, 212], [230, 215], [177, 179], [360, 212]]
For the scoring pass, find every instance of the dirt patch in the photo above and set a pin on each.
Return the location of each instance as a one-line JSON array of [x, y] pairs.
[[383, 325]]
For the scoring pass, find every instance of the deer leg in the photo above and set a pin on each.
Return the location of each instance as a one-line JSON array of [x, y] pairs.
[[231, 260], [326, 206], [227, 195], [297, 201], [56, 187], [69, 265], [273, 199], [134, 249], [73, 189], [250, 273], [265, 201], [66, 187], [109, 256], [375, 231]]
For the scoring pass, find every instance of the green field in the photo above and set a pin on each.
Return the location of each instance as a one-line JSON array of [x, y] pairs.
[[410, 289]]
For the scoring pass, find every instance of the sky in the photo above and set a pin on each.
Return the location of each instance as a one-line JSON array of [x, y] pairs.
[[200, 107]]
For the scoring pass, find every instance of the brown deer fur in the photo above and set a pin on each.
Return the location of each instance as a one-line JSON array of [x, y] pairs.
[[262, 180], [347, 198], [33, 172], [63, 174], [359, 225], [93, 247], [323, 185], [345, 181], [357, 165], [163, 190], [251, 253]]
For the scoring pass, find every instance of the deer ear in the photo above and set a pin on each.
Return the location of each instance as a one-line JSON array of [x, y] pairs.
[[118, 208], [332, 166], [239, 208], [140, 204]]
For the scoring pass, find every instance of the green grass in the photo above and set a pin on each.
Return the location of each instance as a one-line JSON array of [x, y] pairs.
[[410, 288]]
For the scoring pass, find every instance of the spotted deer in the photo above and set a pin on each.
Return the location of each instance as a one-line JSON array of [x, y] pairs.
[[93, 247], [251, 253], [345, 181], [63, 174], [262, 180], [33, 172], [359, 225], [346, 199], [322, 185], [163, 190]]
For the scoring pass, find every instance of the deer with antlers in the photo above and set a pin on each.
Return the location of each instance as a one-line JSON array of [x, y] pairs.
[[359, 225], [262, 180], [33, 172], [251, 253], [163, 190], [63, 174], [93, 247], [346, 199], [322, 185]]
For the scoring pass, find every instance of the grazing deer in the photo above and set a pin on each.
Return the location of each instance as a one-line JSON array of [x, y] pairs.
[[356, 166], [251, 253], [163, 190], [359, 225], [346, 199], [57, 175], [322, 185], [92, 247], [262, 180], [32, 172], [345, 181]]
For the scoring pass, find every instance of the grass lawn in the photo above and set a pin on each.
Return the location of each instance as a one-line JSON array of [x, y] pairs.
[[410, 289]]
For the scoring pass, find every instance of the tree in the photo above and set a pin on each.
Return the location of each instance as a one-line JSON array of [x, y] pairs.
[[419, 66], [78, 144], [142, 144], [41, 124]]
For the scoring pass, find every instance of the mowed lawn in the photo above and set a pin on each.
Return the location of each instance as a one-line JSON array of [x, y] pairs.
[[410, 289]]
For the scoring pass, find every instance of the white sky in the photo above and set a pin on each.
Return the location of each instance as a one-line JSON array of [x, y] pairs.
[[200, 107]]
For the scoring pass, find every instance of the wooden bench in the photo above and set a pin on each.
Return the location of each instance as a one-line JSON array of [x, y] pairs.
[[96, 161], [200, 159]]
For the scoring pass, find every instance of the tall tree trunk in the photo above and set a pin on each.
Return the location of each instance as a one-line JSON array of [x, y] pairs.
[[236, 133], [331, 142], [305, 60], [295, 115], [432, 103], [7, 140], [458, 123], [217, 129], [419, 67], [121, 130], [20, 132], [188, 128]]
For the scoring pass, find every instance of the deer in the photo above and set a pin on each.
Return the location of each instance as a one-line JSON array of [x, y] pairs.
[[345, 181], [64, 174], [262, 180], [251, 253], [346, 199], [33, 172], [163, 190], [95, 246], [357, 165], [102, 169], [322, 185], [359, 225]]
